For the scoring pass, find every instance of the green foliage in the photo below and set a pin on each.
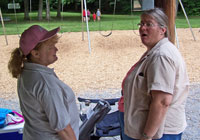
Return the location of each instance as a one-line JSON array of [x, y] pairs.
[[192, 7], [123, 7], [3, 5], [71, 22]]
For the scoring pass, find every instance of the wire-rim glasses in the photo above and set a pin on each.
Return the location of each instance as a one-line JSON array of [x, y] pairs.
[[148, 25]]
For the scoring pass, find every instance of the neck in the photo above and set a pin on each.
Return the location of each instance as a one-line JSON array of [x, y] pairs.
[[149, 47]]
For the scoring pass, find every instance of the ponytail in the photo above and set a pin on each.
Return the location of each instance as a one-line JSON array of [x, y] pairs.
[[15, 64]]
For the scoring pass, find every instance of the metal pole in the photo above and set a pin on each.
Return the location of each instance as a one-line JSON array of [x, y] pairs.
[[82, 20], [177, 41], [187, 19], [88, 32], [4, 30]]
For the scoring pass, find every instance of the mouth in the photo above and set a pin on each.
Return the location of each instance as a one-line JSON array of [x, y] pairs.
[[143, 35]]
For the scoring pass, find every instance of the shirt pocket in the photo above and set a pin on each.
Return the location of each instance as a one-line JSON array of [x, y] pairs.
[[141, 92], [141, 83]]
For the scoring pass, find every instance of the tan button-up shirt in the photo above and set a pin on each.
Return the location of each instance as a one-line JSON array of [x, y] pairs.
[[163, 69]]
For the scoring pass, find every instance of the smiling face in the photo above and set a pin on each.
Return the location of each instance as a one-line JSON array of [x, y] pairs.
[[150, 31]]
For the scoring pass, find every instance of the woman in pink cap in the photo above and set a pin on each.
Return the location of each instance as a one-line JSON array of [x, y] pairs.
[[48, 105]]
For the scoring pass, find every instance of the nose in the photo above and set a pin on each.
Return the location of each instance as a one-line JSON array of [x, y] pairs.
[[143, 27]]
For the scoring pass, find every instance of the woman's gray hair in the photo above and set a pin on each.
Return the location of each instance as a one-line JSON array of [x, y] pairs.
[[160, 17]]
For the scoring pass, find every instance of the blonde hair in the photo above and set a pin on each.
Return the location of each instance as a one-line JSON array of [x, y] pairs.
[[15, 63], [17, 59]]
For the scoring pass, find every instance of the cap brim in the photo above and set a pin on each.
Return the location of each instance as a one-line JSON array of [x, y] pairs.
[[50, 34]]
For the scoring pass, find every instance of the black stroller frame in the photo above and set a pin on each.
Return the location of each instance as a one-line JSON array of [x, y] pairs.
[[99, 123]]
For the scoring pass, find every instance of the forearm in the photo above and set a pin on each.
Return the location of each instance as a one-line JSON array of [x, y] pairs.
[[155, 117], [67, 133], [157, 111]]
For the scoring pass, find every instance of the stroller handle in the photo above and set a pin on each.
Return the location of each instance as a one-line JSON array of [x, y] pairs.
[[98, 113], [88, 101]]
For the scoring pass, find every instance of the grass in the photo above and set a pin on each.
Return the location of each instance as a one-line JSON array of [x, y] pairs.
[[71, 22]]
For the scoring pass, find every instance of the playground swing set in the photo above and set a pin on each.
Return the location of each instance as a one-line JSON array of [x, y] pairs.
[[143, 5], [10, 6], [106, 35]]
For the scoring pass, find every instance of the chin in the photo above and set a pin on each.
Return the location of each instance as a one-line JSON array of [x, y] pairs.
[[55, 58], [145, 43]]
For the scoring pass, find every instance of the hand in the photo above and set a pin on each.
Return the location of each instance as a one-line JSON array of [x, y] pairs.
[[145, 139], [67, 133]]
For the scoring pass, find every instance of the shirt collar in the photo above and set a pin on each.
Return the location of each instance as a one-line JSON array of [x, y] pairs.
[[37, 67], [162, 41], [146, 54]]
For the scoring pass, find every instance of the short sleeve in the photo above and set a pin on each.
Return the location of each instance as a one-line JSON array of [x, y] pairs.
[[55, 109], [161, 74]]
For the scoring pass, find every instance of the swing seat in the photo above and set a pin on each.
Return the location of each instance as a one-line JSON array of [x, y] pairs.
[[105, 35]]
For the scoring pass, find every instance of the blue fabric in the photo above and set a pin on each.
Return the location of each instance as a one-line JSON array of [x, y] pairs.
[[171, 137], [121, 119], [109, 126], [11, 136], [165, 136], [3, 113]]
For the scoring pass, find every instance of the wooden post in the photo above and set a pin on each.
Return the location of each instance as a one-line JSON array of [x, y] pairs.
[[171, 13], [169, 7], [4, 30]]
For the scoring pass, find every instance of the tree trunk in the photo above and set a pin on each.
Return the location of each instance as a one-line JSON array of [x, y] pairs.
[[47, 10], [59, 9], [40, 8], [26, 11], [75, 5], [106, 6]]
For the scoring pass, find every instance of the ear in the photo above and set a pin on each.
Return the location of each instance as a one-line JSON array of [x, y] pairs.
[[163, 31], [35, 53]]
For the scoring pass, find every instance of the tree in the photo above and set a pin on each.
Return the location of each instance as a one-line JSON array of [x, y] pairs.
[[76, 5], [40, 8], [192, 7], [47, 10], [26, 11], [59, 9]]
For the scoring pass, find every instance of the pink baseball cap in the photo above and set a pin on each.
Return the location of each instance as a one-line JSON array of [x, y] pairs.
[[34, 35]]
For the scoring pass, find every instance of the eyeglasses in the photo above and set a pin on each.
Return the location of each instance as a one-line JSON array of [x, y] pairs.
[[148, 25]]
